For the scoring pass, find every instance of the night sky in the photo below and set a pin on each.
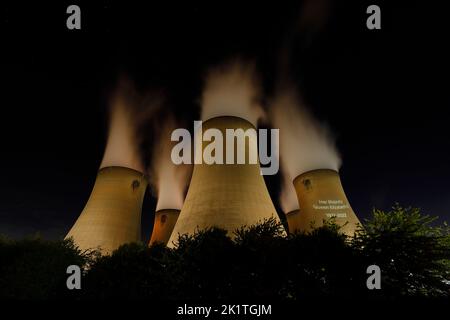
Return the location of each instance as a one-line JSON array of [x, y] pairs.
[[384, 93]]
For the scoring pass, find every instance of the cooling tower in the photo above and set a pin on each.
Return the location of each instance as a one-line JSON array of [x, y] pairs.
[[112, 215], [224, 195], [293, 220], [321, 197], [165, 220]]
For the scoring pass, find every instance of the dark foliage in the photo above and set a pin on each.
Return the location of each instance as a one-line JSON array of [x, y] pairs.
[[261, 262], [36, 269], [413, 255]]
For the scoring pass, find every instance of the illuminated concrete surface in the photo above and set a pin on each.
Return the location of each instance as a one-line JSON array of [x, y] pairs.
[[112, 215], [293, 220], [165, 220], [321, 197], [224, 195]]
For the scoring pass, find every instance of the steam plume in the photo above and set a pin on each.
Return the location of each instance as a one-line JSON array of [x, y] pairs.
[[122, 147], [168, 180], [288, 197], [304, 143], [232, 90]]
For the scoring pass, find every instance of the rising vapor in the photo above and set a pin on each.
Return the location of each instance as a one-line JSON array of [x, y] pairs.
[[288, 197], [232, 90], [122, 147], [305, 144], [168, 180]]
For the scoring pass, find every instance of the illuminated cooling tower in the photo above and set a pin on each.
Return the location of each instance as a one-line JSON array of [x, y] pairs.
[[165, 220], [321, 197], [112, 215], [224, 195], [293, 220]]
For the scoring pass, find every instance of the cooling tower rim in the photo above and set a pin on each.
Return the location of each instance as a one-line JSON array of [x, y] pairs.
[[293, 212], [168, 210], [123, 169], [313, 172], [229, 117]]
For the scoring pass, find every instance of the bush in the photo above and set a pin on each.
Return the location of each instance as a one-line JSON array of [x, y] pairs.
[[260, 262], [412, 253], [34, 268]]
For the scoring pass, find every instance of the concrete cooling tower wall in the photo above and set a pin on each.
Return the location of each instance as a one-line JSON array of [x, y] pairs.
[[112, 215], [165, 220], [293, 220], [224, 195], [321, 197]]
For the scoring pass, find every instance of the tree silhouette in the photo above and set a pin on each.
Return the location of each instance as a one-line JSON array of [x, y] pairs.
[[260, 262], [412, 253]]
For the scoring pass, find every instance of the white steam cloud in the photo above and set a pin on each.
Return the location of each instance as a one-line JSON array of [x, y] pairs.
[[232, 90], [122, 147], [288, 196], [305, 144], [168, 180]]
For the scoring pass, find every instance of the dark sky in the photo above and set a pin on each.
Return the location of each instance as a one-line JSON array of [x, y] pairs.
[[384, 93]]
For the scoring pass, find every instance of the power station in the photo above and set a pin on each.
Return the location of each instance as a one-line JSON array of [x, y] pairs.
[[321, 197], [112, 215], [227, 196]]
